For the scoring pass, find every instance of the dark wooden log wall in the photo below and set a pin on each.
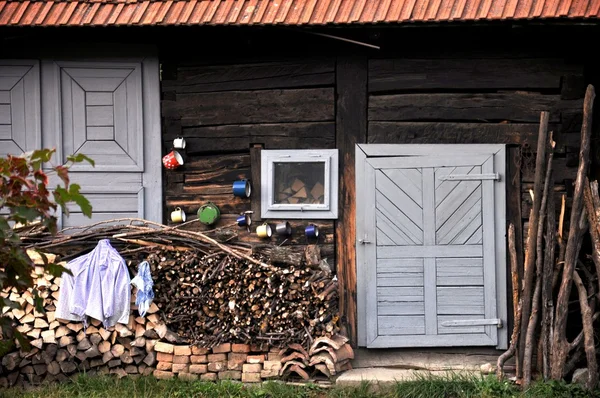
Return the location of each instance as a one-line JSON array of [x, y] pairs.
[[227, 111]]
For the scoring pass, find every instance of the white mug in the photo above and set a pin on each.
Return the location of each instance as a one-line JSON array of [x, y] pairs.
[[179, 143]]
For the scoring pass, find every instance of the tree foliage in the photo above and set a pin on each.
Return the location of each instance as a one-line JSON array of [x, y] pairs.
[[25, 199]]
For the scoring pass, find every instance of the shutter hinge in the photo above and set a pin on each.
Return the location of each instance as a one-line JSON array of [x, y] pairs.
[[460, 177], [475, 322]]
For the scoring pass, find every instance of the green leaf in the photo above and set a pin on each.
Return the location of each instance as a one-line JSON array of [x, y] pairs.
[[80, 157], [61, 197], [38, 302], [43, 155], [26, 213], [84, 204], [9, 303], [25, 346], [56, 270]]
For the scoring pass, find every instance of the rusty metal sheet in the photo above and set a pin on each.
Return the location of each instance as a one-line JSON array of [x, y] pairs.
[[283, 12]]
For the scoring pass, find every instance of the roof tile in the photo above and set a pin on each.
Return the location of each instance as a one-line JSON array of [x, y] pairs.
[[283, 12]]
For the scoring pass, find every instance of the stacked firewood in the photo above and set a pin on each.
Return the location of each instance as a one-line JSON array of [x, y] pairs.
[[217, 298], [560, 274], [60, 348], [326, 357], [297, 192]]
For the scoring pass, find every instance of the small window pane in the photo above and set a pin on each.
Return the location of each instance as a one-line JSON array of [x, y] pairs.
[[299, 182]]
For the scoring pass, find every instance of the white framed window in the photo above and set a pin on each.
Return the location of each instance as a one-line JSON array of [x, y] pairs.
[[299, 183]]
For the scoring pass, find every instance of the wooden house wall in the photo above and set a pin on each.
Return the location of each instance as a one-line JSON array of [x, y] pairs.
[[226, 112], [224, 109]]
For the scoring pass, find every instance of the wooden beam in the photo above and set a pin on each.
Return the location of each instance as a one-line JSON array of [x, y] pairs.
[[351, 128]]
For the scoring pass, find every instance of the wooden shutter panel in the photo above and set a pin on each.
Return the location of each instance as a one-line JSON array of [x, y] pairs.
[[431, 270], [19, 106]]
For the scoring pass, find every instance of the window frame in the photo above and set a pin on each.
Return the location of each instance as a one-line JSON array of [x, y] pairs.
[[326, 210]]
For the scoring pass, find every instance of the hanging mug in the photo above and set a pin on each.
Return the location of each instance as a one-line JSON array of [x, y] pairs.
[[312, 231], [244, 220], [172, 160], [179, 143], [178, 215], [264, 231], [242, 188], [209, 213], [283, 229]]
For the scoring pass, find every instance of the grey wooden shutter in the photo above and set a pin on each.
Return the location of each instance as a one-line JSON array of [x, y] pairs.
[[430, 237], [101, 115], [19, 106]]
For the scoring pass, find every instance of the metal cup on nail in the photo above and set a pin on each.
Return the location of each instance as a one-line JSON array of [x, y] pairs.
[[242, 188], [283, 229], [311, 231]]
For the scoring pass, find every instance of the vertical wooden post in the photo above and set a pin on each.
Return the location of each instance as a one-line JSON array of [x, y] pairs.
[[351, 128], [255, 152]]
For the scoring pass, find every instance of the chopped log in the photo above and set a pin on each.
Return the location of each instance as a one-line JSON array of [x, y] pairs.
[[76, 327], [48, 337], [287, 255], [104, 346], [126, 358], [72, 349], [62, 355], [117, 350], [150, 359], [38, 343], [104, 333], [62, 331], [161, 329], [95, 339], [297, 185], [312, 255], [301, 194], [123, 330], [107, 356], [92, 352], [54, 368], [559, 340], [138, 342], [84, 344], [40, 323]]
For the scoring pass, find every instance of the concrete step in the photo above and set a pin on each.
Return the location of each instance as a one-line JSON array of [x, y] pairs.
[[389, 376]]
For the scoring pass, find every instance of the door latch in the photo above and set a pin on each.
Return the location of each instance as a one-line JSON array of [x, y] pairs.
[[364, 241]]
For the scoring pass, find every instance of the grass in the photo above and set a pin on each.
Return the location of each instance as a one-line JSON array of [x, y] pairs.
[[453, 386]]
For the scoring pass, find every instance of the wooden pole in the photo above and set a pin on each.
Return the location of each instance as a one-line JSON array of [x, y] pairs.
[[530, 251]]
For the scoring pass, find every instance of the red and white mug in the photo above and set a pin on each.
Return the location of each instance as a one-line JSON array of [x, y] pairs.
[[172, 160]]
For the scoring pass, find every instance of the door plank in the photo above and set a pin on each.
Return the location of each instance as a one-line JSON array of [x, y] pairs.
[[402, 222]]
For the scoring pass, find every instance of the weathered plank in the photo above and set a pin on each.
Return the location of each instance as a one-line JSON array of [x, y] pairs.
[[255, 169], [463, 133], [477, 73], [252, 76], [264, 106], [351, 128], [202, 140], [190, 203], [510, 106]]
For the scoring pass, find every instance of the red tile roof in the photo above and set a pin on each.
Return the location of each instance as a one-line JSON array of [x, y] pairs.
[[283, 12]]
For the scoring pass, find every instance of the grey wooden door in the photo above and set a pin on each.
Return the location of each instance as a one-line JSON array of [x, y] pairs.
[[108, 111], [19, 106], [430, 245]]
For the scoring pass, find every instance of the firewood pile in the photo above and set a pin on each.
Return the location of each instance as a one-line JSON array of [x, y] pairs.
[[216, 298], [298, 192], [555, 302], [60, 348], [326, 357]]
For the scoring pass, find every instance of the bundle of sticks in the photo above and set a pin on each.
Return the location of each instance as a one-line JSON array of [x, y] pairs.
[[553, 264]]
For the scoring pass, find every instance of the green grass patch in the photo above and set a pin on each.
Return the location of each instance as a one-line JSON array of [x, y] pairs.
[[452, 386]]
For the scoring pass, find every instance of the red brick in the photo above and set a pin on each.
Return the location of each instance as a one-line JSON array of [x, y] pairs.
[[242, 348], [181, 359], [187, 376], [182, 350], [274, 356], [272, 365], [235, 360], [198, 369], [217, 366], [208, 377], [180, 368], [230, 375], [198, 359], [252, 368], [164, 347], [197, 350], [162, 357], [222, 348], [159, 374], [256, 358], [164, 366], [217, 357], [251, 378]]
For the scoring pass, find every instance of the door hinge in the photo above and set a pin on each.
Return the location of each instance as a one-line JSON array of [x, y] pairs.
[[474, 322], [460, 177]]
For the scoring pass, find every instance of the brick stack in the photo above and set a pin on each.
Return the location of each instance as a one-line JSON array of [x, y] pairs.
[[244, 362]]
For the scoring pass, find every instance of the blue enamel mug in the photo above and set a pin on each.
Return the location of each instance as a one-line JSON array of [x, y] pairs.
[[242, 188], [311, 231], [244, 220]]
